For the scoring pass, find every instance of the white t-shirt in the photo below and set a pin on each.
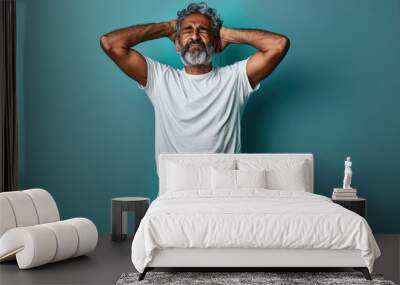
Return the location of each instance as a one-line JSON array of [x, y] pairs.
[[197, 113]]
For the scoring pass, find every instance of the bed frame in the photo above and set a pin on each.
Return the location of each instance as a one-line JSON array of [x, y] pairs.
[[246, 258]]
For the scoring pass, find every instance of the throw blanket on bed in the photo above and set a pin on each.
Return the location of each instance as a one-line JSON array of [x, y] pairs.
[[250, 218]]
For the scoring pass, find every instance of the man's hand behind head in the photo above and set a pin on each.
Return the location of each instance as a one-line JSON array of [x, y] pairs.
[[222, 43], [172, 35]]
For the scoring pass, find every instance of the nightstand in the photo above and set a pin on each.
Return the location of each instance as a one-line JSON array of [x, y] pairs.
[[358, 205], [120, 207]]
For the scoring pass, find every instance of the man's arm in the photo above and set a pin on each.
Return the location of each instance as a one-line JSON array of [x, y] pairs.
[[272, 48], [117, 45]]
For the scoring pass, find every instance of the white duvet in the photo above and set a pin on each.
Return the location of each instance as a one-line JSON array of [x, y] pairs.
[[250, 218]]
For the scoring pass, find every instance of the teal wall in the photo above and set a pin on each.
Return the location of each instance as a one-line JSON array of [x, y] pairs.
[[87, 131]]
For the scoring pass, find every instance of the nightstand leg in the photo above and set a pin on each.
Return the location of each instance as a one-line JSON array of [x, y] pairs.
[[117, 217]]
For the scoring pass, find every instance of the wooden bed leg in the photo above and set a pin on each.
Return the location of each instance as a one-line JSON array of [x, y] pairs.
[[364, 271], [143, 274]]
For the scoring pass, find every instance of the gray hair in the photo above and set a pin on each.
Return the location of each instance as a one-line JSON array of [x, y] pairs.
[[202, 8]]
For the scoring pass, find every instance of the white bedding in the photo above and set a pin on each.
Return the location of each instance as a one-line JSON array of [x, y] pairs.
[[250, 218]]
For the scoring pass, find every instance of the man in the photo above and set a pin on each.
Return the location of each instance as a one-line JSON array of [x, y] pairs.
[[198, 108]]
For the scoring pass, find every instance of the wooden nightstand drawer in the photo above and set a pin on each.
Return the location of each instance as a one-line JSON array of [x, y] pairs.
[[358, 206]]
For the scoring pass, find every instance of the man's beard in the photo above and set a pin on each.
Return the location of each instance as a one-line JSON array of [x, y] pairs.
[[197, 56]]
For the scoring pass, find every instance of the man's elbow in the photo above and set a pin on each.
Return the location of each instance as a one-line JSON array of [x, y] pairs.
[[105, 43], [283, 45]]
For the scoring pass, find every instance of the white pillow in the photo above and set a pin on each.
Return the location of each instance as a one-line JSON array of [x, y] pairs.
[[236, 179], [223, 178], [282, 174], [255, 178], [192, 174]]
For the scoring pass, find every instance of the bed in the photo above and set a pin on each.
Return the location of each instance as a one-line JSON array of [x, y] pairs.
[[247, 210]]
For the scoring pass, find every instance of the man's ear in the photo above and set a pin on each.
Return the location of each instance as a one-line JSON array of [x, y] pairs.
[[217, 46]]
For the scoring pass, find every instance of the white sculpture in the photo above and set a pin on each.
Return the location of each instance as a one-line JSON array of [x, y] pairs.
[[347, 174]]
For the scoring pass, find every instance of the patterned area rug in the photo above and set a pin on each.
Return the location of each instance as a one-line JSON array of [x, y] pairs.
[[243, 278]]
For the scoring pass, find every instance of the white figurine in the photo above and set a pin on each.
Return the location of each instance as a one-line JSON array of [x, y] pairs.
[[347, 174]]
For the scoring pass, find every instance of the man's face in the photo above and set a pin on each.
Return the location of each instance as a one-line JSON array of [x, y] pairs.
[[196, 42]]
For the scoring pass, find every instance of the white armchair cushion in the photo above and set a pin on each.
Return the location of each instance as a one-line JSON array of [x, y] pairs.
[[23, 208], [30, 230], [87, 234], [26, 208], [65, 236], [45, 206], [7, 220], [40, 244]]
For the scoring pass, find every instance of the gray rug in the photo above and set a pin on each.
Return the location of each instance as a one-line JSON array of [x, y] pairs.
[[270, 278]]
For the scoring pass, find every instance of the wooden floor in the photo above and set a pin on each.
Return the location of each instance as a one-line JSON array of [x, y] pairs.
[[111, 259]]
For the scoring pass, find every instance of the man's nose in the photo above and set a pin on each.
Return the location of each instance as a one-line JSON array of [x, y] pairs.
[[195, 35]]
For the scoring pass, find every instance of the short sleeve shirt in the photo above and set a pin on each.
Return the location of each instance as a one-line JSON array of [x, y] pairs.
[[197, 113]]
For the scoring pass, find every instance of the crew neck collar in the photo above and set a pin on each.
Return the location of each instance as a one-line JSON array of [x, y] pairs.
[[198, 75]]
